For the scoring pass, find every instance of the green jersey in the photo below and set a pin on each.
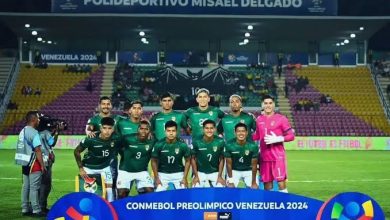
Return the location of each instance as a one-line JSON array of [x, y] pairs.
[[135, 154], [208, 154], [126, 126], [227, 123], [158, 121], [196, 117], [241, 155], [170, 156], [95, 121], [100, 152]]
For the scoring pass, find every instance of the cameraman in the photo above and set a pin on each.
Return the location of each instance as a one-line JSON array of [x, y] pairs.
[[29, 156], [48, 132]]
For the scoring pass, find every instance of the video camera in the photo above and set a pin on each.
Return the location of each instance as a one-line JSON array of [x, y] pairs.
[[48, 123]]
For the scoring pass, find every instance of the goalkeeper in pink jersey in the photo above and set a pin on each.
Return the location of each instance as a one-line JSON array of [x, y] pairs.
[[272, 129]]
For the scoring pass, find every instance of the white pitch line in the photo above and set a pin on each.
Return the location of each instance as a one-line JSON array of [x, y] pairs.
[[14, 178]]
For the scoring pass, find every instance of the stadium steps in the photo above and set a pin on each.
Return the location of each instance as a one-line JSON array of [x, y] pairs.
[[383, 83], [351, 88], [108, 78], [53, 83], [284, 105], [5, 65]]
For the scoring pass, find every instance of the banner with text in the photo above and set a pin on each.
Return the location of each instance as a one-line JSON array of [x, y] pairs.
[[217, 204], [339, 143], [72, 57], [231, 7]]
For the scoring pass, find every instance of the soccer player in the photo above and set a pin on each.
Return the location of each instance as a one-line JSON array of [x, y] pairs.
[[167, 160], [227, 123], [241, 159], [272, 129], [135, 152], [93, 124], [130, 125], [197, 115], [158, 120], [101, 150], [207, 158]]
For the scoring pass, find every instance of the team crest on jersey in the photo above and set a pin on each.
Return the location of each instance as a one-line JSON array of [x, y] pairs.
[[112, 144], [246, 152], [177, 150], [147, 147], [173, 118], [242, 121], [215, 148], [272, 123], [210, 113]]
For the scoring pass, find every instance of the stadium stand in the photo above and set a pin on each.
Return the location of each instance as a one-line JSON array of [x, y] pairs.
[[63, 95], [146, 82], [354, 111]]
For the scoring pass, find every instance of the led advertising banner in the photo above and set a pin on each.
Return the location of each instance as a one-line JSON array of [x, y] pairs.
[[300, 143]]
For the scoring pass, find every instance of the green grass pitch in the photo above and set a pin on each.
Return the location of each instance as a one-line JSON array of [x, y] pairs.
[[316, 174]]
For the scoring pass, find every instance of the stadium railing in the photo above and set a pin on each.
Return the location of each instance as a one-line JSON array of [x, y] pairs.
[[9, 86], [374, 75]]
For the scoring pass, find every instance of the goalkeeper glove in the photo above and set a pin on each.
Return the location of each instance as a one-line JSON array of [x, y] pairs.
[[272, 139]]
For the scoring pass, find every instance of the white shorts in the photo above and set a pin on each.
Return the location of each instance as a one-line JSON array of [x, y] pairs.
[[208, 180], [246, 176], [167, 178], [141, 179], [105, 172]]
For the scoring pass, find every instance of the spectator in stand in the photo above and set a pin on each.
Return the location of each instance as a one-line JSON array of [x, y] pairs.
[[279, 70], [28, 91], [286, 90], [305, 82], [386, 71], [369, 57], [328, 99], [99, 58], [316, 106], [307, 105], [89, 86], [12, 105], [38, 91], [298, 106], [24, 90], [336, 59], [323, 99], [388, 90]]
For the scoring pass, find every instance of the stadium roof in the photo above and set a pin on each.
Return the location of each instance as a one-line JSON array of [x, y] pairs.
[[182, 27]]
